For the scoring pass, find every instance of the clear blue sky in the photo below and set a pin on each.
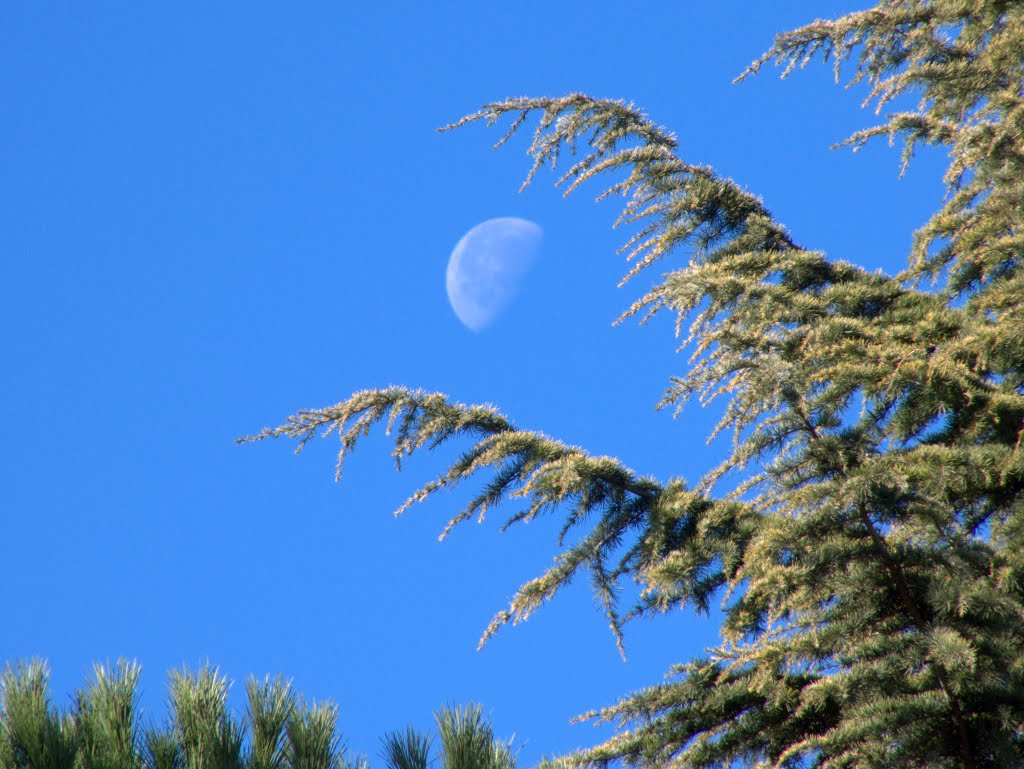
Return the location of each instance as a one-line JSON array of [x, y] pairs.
[[214, 216]]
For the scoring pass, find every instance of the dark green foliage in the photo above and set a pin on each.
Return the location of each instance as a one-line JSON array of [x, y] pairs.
[[467, 741], [35, 736], [209, 736], [106, 717], [312, 742], [279, 731], [161, 751], [271, 705], [866, 533], [406, 750]]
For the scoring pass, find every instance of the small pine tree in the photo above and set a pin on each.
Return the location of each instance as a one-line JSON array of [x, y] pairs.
[[871, 561]]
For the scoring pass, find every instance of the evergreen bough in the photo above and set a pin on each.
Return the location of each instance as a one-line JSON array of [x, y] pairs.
[[870, 560]]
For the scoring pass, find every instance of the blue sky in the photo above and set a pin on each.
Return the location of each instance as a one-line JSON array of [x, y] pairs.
[[214, 216]]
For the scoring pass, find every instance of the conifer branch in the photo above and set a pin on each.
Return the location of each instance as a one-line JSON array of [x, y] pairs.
[[637, 519], [900, 580], [966, 62], [764, 313], [677, 203]]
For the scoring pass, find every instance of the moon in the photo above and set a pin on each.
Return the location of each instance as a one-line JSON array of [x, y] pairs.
[[487, 267]]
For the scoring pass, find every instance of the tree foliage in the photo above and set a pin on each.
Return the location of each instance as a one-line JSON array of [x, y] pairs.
[[103, 728], [467, 741], [870, 558]]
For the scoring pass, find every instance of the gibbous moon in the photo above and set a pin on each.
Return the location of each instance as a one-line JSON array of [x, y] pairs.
[[488, 265]]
